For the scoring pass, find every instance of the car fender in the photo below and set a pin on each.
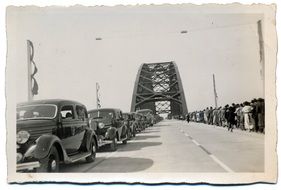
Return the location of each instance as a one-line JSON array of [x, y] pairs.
[[44, 144], [89, 134], [123, 130], [111, 131]]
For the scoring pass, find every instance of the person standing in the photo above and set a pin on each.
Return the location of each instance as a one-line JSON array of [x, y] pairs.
[[216, 117], [239, 115], [260, 113], [226, 115], [222, 115], [210, 118], [219, 116], [206, 115], [231, 118], [254, 104], [248, 118], [187, 118]]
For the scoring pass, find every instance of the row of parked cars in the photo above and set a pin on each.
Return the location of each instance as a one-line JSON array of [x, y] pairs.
[[51, 132]]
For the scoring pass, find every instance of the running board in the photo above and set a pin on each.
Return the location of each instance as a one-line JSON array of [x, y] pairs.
[[78, 157], [123, 139], [103, 143]]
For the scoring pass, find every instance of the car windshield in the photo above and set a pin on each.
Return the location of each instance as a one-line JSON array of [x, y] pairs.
[[126, 116], [105, 114], [36, 111]]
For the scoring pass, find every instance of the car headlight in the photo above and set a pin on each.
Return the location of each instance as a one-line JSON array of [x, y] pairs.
[[19, 157], [101, 125], [22, 137]]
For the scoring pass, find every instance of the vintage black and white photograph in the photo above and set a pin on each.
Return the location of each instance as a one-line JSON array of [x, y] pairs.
[[151, 93]]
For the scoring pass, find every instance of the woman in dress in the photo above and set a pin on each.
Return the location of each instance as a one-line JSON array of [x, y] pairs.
[[249, 122]]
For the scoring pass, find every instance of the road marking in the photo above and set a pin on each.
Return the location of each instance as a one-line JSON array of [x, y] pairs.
[[225, 167], [204, 149], [195, 142], [221, 163]]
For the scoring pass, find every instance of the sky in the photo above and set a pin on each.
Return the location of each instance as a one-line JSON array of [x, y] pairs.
[[70, 60]]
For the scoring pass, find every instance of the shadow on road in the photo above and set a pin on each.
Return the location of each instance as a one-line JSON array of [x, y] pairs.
[[150, 131], [132, 146], [161, 125], [106, 165], [146, 137], [121, 165]]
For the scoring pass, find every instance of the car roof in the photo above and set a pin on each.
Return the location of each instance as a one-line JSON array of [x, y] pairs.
[[49, 101], [105, 109]]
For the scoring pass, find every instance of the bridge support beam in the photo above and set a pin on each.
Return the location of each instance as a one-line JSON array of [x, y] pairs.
[[158, 87]]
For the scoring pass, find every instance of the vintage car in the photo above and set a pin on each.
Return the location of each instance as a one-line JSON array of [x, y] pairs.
[[139, 121], [130, 123], [51, 132], [108, 123], [148, 116]]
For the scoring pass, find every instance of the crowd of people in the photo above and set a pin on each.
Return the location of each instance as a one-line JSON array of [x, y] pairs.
[[245, 116]]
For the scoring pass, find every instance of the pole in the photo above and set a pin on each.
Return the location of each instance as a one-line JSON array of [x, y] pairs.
[[29, 82], [215, 92], [261, 46], [97, 95], [97, 98]]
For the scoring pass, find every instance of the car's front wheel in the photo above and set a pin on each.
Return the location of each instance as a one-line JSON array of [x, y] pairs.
[[93, 149], [129, 134], [51, 163], [134, 132], [126, 138], [113, 145]]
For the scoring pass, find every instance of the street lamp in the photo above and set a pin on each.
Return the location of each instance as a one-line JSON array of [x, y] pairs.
[[183, 31]]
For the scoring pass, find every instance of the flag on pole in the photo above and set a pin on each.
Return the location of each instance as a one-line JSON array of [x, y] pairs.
[[98, 95], [261, 48], [215, 91], [34, 87]]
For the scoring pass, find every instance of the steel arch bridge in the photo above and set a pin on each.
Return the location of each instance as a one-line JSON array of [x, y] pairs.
[[158, 87]]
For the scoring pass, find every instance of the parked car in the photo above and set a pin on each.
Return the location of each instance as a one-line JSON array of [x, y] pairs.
[[139, 121], [130, 123], [109, 126], [50, 132], [148, 116]]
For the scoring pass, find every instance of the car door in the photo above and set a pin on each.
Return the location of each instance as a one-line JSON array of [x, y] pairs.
[[81, 125], [74, 123], [121, 124], [68, 118]]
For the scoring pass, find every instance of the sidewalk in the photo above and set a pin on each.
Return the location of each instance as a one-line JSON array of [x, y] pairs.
[[239, 131]]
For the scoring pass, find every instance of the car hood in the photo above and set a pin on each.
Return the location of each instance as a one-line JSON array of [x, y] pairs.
[[106, 121], [37, 128]]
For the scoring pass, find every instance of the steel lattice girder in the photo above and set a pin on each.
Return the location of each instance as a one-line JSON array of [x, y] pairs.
[[158, 87]]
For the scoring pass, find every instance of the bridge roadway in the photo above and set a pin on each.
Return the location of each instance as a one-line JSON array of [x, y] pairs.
[[175, 146]]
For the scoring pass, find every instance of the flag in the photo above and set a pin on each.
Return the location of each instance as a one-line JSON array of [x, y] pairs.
[[35, 87], [98, 95]]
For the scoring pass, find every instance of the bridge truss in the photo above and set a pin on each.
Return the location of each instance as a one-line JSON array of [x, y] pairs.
[[158, 87]]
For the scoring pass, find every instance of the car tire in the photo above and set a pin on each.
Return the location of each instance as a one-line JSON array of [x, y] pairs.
[[134, 132], [129, 134], [125, 141], [113, 145], [51, 163], [93, 149]]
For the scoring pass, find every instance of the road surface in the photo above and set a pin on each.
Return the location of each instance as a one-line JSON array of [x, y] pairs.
[[175, 146]]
